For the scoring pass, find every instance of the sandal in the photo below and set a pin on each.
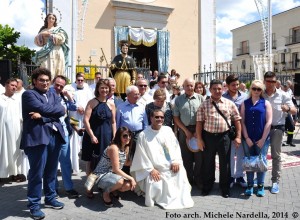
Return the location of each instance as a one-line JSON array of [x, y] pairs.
[[89, 194], [107, 204], [115, 195]]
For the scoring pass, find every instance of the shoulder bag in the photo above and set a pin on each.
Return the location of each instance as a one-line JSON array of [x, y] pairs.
[[232, 129]]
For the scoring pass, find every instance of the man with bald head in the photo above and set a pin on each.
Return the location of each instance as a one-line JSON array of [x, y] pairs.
[[185, 111]]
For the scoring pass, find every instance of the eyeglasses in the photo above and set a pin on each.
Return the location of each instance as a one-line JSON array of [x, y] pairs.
[[44, 80], [126, 136], [256, 89], [271, 81], [164, 82], [80, 80], [159, 117], [142, 85]]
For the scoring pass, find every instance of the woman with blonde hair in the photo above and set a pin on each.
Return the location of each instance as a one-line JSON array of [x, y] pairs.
[[256, 113]]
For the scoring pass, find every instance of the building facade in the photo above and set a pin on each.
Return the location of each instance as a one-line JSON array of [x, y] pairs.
[[248, 42], [165, 34]]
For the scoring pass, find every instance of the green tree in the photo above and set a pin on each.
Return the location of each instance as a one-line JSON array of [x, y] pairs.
[[9, 50]]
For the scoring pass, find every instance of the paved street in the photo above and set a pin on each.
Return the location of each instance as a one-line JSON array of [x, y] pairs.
[[285, 205]]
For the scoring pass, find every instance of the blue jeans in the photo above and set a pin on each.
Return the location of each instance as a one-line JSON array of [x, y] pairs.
[[65, 165], [43, 161], [253, 151]]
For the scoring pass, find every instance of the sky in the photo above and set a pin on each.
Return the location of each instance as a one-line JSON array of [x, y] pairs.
[[232, 14], [25, 17]]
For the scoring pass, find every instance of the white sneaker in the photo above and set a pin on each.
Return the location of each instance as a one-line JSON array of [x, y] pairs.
[[275, 188]]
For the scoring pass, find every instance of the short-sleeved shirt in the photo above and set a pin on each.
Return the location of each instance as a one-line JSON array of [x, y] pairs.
[[238, 100], [277, 99], [213, 121], [186, 108], [132, 116]]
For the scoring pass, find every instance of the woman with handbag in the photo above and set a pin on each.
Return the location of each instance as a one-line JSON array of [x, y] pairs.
[[109, 169], [256, 115]]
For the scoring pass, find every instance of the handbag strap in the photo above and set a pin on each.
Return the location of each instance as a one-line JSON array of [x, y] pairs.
[[214, 103], [247, 152]]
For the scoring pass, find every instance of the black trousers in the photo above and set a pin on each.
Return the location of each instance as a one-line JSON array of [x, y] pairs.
[[192, 162], [216, 143]]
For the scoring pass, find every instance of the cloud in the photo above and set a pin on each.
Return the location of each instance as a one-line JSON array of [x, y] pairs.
[[24, 16], [224, 49], [234, 14]]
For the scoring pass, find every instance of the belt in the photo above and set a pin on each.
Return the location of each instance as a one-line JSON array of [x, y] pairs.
[[280, 127], [191, 126], [216, 134]]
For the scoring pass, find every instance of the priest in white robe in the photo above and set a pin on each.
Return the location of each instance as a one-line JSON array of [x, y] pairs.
[[81, 94], [10, 132], [158, 167]]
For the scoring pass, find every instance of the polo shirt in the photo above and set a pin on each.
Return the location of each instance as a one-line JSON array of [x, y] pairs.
[[277, 99], [186, 108]]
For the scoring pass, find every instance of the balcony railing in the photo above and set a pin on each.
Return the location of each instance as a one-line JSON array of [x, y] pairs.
[[291, 65], [274, 45], [292, 39], [242, 51]]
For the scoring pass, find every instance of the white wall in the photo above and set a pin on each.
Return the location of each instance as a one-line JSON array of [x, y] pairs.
[[207, 36]]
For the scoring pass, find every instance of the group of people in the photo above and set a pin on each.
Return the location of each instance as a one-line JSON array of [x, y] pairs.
[[133, 137], [142, 143]]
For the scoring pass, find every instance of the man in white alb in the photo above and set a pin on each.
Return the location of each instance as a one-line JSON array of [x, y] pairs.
[[158, 167]]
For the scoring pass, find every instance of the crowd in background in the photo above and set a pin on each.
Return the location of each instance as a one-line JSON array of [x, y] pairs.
[[106, 130]]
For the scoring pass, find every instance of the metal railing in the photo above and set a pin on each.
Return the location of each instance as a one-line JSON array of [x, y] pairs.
[[221, 73], [274, 45], [292, 39], [291, 65], [25, 71], [242, 51]]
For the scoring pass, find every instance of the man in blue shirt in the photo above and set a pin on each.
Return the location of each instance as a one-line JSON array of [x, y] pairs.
[[131, 115], [233, 94], [67, 101]]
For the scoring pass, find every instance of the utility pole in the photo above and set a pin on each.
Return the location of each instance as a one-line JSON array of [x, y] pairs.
[[263, 63], [270, 35]]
